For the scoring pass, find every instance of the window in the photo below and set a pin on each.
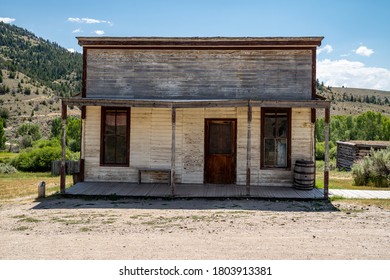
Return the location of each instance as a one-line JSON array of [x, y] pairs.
[[115, 136], [276, 138]]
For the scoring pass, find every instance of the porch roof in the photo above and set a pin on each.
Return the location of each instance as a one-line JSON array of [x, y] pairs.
[[79, 101]]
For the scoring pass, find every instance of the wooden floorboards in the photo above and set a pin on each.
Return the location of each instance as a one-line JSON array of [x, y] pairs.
[[189, 191]]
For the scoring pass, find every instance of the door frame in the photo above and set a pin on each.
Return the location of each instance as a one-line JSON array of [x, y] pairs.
[[206, 144]]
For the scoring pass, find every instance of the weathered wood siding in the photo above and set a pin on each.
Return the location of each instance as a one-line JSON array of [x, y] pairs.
[[150, 145], [350, 152], [199, 74]]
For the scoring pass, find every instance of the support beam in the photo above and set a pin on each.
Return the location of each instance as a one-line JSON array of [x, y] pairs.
[[82, 144], [173, 152], [64, 113], [249, 151], [326, 165]]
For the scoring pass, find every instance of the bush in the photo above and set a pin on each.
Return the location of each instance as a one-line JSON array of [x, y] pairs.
[[39, 157], [7, 169], [320, 151], [380, 167], [361, 172], [374, 169]]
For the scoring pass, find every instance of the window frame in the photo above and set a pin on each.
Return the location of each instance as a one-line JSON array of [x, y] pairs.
[[275, 110], [104, 110]]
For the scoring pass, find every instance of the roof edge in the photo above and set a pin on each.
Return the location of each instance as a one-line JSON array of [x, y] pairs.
[[200, 41]]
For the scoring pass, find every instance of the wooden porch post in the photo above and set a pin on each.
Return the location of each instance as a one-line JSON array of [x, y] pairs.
[[248, 151], [64, 113], [173, 151], [326, 165]]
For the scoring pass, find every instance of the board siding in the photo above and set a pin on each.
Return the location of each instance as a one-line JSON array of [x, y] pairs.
[[150, 145], [199, 74]]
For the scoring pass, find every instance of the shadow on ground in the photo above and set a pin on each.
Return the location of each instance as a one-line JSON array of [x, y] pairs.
[[60, 202]]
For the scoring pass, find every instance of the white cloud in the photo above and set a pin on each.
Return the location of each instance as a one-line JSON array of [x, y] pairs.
[[72, 50], [88, 20], [364, 51], [7, 19], [78, 30], [99, 32], [326, 49], [352, 74]]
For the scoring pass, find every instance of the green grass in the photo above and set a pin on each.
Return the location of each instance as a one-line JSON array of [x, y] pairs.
[[5, 157]]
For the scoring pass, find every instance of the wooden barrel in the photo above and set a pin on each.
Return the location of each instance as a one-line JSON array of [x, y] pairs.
[[304, 173]]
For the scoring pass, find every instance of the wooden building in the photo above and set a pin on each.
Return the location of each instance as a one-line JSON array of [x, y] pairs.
[[350, 152], [235, 111]]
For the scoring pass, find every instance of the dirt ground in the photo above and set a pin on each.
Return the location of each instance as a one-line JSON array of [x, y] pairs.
[[65, 228]]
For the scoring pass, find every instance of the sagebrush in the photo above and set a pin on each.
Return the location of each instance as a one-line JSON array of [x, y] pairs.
[[373, 169]]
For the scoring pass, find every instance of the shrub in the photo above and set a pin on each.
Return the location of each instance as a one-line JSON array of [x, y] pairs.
[[7, 169], [39, 157], [380, 167], [374, 169], [361, 172], [320, 150]]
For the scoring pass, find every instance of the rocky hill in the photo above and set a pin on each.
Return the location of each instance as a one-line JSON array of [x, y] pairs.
[[34, 74]]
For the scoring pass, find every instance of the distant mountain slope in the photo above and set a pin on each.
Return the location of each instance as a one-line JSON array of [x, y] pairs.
[[354, 101], [42, 61]]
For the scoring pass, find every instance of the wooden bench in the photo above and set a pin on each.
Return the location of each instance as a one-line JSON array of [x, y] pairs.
[[161, 170]]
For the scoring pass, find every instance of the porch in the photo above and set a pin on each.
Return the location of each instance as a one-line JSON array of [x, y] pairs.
[[122, 189], [249, 146]]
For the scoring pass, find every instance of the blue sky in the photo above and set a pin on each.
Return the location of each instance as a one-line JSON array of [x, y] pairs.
[[355, 51]]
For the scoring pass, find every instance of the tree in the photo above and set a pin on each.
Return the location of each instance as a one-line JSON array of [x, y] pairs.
[[2, 135], [73, 128], [29, 133]]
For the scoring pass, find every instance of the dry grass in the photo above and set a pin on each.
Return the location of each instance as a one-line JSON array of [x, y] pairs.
[[23, 184], [380, 203], [339, 180]]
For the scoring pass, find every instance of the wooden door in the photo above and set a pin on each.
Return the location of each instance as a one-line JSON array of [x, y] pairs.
[[220, 151]]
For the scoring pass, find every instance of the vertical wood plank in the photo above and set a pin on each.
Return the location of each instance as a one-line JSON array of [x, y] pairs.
[[326, 165], [249, 151], [173, 152], [64, 113]]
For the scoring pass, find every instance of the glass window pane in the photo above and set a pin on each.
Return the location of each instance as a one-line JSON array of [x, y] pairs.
[[110, 123], [269, 125], [121, 149], [109, 149], [275, 137], [281, 152], [115, 136], [281, 127], [269, 152]]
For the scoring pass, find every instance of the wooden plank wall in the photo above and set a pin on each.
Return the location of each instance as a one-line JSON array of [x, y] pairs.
[[199, 74], [347, 154], [150, 145]]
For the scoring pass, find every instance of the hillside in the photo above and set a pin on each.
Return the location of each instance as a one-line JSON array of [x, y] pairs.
[[45, 63], [34, 73], [354, 101]]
